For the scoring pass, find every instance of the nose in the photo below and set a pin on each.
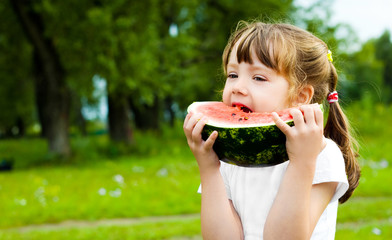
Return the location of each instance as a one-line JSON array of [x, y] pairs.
[[240, 87]]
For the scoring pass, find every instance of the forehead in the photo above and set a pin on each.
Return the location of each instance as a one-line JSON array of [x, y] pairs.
[[250, 48], [254, 63]]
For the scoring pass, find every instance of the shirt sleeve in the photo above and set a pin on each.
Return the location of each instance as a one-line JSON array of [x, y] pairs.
[[330, 167]]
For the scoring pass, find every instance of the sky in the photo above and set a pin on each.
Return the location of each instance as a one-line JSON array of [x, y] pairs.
[[368, 18]]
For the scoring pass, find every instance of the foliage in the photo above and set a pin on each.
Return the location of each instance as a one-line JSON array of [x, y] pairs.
[[150, 51], [167, 53], [363, 74], [384, 54], [367, 72]]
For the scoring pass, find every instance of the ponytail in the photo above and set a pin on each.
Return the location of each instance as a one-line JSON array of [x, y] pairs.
[[338, 129]]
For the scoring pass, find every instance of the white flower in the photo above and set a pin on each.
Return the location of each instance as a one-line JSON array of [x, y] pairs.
[[39, 194], [102, 191], [162, 172], [384, 163], [376, 231], [116, 193], [119, 179]]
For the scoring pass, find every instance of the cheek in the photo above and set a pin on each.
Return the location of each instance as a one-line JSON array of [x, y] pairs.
[[226, 94], [287, 98], [282, 95]]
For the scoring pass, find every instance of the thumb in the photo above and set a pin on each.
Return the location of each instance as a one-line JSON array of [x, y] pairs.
[[211, 140]]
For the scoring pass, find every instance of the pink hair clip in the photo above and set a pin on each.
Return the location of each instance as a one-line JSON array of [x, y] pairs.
[[332, 97]]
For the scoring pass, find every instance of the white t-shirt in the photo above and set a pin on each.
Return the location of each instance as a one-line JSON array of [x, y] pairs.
[[253, 190]]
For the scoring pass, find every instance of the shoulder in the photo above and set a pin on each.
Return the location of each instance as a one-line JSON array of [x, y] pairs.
[[330, 157], [331, 148]]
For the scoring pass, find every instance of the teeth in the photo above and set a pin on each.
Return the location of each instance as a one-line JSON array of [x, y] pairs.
[[243, 108]]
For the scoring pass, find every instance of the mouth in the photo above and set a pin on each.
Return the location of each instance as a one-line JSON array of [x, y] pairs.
[[242, 107]]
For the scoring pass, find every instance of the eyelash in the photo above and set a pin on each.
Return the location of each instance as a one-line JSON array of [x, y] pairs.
[[259, 78], [256, 78], [232, 75]]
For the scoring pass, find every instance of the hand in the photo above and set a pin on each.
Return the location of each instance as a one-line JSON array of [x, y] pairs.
[[202, 150], [305, 139]]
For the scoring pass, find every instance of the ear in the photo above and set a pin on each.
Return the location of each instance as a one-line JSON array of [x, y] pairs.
[[304, 96]]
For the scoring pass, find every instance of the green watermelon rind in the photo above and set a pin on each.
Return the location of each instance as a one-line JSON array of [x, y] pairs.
[[250, 146]]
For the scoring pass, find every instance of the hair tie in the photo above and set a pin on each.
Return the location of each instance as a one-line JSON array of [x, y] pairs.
[[332, 97], [329, 55]]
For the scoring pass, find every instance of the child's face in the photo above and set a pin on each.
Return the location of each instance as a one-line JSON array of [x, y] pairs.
[[254, 86]]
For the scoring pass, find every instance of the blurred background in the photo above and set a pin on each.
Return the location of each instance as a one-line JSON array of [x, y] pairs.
[[93, 95]]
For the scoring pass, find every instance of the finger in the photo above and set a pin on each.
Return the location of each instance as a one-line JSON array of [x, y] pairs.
[[308, 114], [319, 117], [298, 118], [188, 116], [280, 123], [196, 132], [211, 140], [191, 125]]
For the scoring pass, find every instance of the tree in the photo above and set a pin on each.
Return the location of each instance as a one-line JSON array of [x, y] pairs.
[[363, 72], [384, 54], [153, 54], [52, 92], [16, 90]]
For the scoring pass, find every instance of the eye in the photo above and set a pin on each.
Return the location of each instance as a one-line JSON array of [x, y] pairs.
[[232, 75], [259, 78]]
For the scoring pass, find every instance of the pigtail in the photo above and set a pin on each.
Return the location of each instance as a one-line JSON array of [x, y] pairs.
[[338, 129]]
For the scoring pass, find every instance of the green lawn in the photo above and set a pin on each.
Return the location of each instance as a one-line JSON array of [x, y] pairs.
[[158, 177]]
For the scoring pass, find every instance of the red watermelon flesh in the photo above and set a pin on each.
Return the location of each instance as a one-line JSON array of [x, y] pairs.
[[220, 114]]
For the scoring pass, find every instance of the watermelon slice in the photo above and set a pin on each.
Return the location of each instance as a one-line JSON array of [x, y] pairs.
[[244, 138]]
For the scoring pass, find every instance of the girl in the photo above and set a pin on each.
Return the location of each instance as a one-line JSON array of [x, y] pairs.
[[270, 67]]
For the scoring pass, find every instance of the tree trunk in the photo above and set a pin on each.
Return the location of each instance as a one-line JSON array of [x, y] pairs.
[[118, 117], [52, 93], [21, 127], [146, 117], [76, 117], [170, 111]]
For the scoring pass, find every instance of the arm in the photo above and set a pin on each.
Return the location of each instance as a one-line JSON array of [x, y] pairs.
[[299, 204], [219, 220]]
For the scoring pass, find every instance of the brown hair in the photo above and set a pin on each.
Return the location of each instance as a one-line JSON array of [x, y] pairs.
[[302, 58]]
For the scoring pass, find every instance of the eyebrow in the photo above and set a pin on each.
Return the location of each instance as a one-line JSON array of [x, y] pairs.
[[254, 67], [264, 68]]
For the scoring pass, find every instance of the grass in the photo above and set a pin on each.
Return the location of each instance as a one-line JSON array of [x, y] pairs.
[[128, 186], [158, 178]]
